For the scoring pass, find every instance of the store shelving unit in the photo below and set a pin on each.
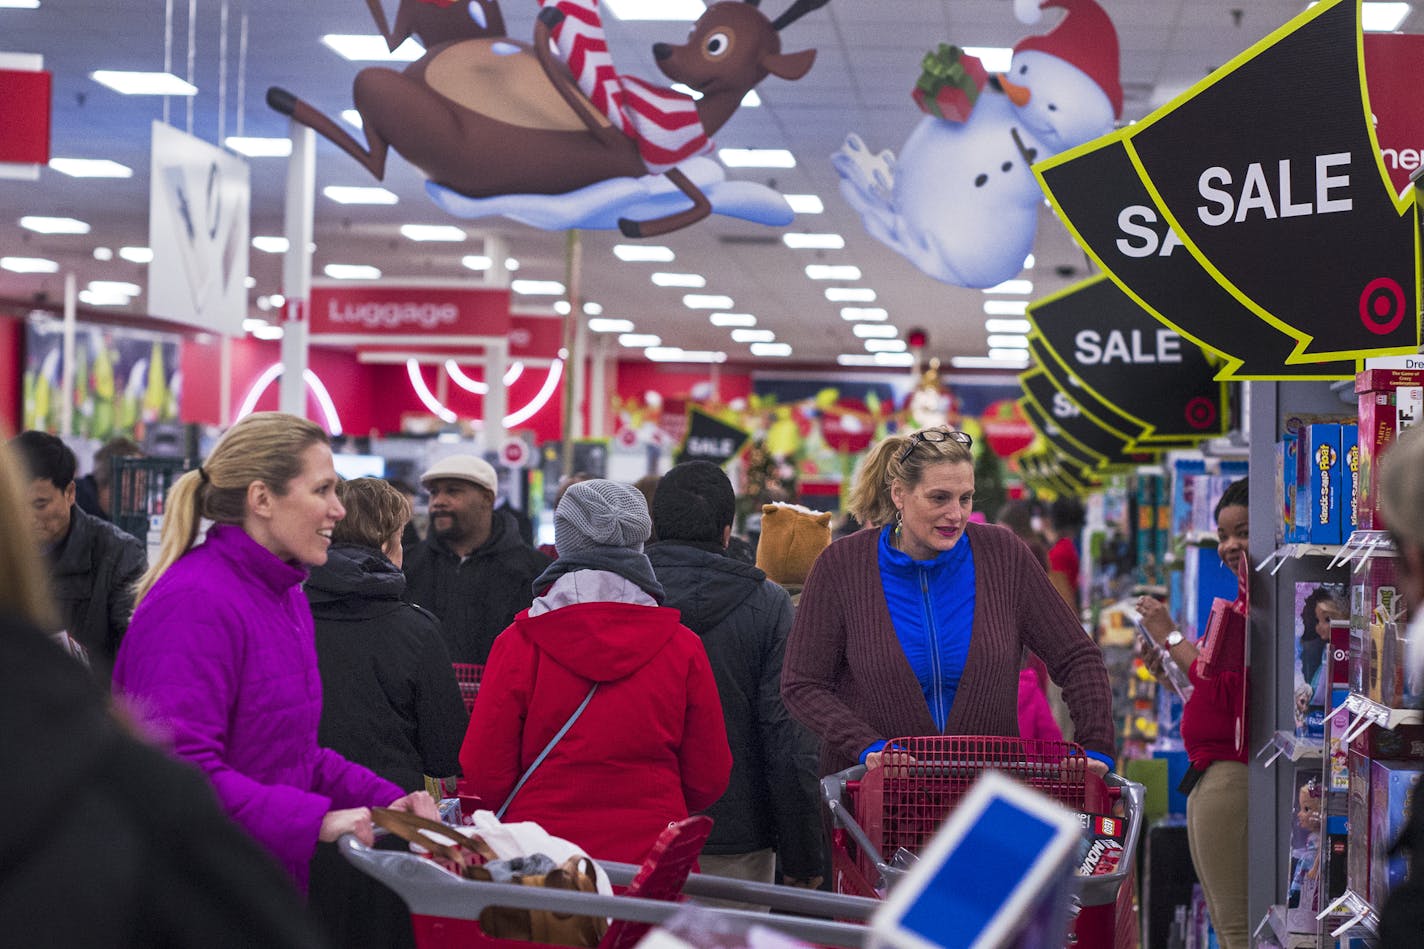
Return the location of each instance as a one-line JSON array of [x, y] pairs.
[[1288, 745], [1276, 920], [1356, 911]]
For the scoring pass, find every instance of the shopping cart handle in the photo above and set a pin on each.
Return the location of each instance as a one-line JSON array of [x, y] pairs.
[[833, 785], [1103, 889]]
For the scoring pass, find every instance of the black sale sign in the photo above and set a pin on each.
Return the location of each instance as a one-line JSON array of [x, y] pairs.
[[710, 439], [1146, 373], [1111, 214], [1077, 427], [1270, 173], [1075, 458]]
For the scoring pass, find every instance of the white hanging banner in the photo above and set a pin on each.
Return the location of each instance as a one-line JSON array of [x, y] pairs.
[[198, 208]]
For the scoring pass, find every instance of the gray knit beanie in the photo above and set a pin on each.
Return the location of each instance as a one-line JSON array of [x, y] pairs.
[[601, 513]]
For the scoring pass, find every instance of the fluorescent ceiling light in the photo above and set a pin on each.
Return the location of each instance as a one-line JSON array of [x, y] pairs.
[[103, 253], [752, 336], [607, 325], [476, 261], [1007, 326], [562, 307], [692, 280], [894, 359], [537, 288], [20, 4], [136, 255], [269, 331], [983, 362], [673, 354], [850, 294], [512, 265], [856, 359], [756, 157], [707, 301], [345, 194], [1023, 287], [872, 313], [371, 49], [352, 117], [53, 225], [885, 345], [115, 287], [1009, 355], [685, 10], [751, 100], [1008, 341], [639, 340], [351, 272], [29, 265], [771, 349], [103, 299], [875, 331], [593, 309], [653, 253], [277, 301], [1005, 307], [813, 241], [805, 203], [833, 271], [1383, 17], [256, 147], [996, 59], [270, 244], [252, 322], [143, 83], [249, 281], [90, 168], [433, 232], [733, 319], [1029, 261]]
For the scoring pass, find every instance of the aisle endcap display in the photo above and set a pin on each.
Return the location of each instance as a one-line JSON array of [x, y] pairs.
[[1292, 747]]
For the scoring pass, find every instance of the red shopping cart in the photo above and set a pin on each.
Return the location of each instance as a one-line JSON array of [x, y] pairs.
[[446, 909], [883, 818], [468, 675]]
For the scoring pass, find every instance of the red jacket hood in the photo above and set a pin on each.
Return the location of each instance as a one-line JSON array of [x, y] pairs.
[[601, 641]]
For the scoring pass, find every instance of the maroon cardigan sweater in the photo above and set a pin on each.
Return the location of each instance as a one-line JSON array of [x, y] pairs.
[[847, 679]]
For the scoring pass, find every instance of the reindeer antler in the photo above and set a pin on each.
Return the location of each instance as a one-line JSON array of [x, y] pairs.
[[798, 9]]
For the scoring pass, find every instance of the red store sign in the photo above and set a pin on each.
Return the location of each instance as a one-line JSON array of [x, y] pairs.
[[409, 314]]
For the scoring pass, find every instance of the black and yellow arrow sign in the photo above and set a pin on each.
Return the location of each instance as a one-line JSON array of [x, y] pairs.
[[1270, 172], [1074, 456], [1082, 431], [1111, 214]]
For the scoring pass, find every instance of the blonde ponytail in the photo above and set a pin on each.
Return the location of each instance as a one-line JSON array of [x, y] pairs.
[[182, 514]]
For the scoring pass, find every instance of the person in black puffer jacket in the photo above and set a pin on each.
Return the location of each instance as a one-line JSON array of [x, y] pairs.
[[771, 808], [389, 696]]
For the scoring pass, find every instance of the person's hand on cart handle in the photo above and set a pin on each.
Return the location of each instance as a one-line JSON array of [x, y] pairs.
[[354, 820], [419, 803]]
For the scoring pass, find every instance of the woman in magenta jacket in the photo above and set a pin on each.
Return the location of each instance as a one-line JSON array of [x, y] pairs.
[[650, 747], [220, 657]]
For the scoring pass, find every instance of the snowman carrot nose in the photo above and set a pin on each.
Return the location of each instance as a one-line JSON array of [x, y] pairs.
[[1018, 95]]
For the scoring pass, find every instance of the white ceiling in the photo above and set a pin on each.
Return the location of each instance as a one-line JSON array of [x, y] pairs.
[[868, 57]]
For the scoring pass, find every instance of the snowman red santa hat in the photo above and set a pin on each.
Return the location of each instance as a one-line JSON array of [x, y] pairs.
[[1085, 38]]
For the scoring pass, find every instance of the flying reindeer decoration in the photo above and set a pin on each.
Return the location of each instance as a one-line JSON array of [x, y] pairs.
[[484, 116]]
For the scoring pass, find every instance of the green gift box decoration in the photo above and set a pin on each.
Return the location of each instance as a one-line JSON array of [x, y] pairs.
[[950, 83]]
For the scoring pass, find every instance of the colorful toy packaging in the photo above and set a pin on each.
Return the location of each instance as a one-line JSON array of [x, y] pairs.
[[1391, 397], [1391, 785], [1318, 468]]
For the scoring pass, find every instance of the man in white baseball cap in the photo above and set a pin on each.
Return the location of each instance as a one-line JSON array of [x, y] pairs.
[[473, 571]]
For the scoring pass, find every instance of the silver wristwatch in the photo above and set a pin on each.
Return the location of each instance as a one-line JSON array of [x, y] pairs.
[[1175, 638]]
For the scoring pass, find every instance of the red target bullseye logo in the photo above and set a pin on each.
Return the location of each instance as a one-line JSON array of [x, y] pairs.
[[1382, 306], [1201, 413]]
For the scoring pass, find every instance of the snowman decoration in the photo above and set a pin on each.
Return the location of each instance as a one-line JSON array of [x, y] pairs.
[[961, 202]]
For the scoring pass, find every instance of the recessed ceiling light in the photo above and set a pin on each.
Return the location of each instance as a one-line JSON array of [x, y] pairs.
[[512, 265], [984, 362], [674, 354], [103, 253], [870, 313], [751, 100], [277, 300], [686, 10], [1009, 355], [93, 298], [1007, 326], [875, 331], [257, 147], [476, 261], [115, 287], [271, 244], [537, 288], [894, 359], [643, 252], [996, 59], [143, 83], [850, 294], [352, 117], [1029, 261], [352, 272], [1022, 287], [607, 325], [813, 241], [29, 265], [707, 301], [771, 349], [1383, 17], [639, 340], [90, 168], [805, 203], [885, 345], [733, 319], [433, 232], [371, 49], [756, 157], [346, 194], [833, 271], [692, 280], [249, 281], [1005, 307], [136, 255], [1007, 341], [752, 336], [53, 225], [562, 307]]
